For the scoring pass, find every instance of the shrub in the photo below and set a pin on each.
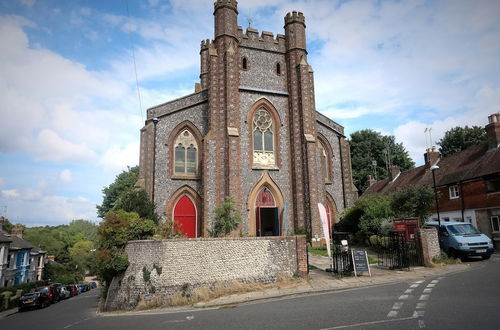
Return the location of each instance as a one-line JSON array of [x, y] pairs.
[[226, 219]]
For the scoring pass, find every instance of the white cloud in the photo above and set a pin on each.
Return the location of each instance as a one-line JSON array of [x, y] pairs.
[[10, 193], [28, 3], [117, 158], [51, 147], [66, 175]]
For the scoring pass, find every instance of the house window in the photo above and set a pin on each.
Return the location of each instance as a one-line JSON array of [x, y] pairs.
[[454, 193], [263, 138], [493, 184], [495, 223], [186, 154]]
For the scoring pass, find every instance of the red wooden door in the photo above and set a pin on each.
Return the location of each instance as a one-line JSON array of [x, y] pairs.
[[264, 199], [185, 217]]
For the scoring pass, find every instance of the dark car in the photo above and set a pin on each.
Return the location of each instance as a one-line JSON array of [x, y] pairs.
[[73, 290], [92, 285], [50, 291], [33, 300]]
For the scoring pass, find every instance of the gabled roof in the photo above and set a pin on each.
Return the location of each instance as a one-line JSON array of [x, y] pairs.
[[470, 164], [19, 243]]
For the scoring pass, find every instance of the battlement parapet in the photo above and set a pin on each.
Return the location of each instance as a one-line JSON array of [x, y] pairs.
[[233, 4], [295, 17], [205, 44], [265, 40]]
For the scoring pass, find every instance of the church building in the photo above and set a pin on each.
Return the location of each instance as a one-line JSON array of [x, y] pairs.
[[251, 131]]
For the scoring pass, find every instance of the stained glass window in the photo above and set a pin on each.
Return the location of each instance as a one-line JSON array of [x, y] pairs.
[[186, 154], [263, 138]]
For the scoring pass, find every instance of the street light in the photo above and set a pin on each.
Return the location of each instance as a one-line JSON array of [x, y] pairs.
[[433, 168]]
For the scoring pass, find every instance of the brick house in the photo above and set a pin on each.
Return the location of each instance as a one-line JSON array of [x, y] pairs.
[[250, 130], [468, 183]]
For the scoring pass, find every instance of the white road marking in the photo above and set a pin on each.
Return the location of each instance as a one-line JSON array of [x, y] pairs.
[[409, 291], [419, 282], [428, 290], [190, 317], [369, 323], [413, 286], [424, 297], [421, 305], [421, 324], [431, 285], [434, 281], [392, 314], [418, 313], [404, 297], [397, 305]]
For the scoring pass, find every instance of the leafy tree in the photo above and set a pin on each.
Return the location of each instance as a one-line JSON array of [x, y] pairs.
[[226, 219], [136, 200], [83, 256], [366, 215], [413, 201], [114, 232], [460, 138], [124, 181], [368, 146], [7, 226]]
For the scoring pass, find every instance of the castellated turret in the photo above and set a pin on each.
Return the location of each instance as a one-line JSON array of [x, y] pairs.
[[295, 31], [226, 18]]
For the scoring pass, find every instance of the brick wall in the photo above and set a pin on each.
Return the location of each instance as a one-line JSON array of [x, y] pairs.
[[158, 269], [429, 243]]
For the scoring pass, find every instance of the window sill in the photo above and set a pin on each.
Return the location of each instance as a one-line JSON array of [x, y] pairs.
[[270, 168], [328, 182], [451, 198], [185, 177]]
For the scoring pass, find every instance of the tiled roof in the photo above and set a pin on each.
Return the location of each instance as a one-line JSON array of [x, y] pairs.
[[19, 243], [469, 164]]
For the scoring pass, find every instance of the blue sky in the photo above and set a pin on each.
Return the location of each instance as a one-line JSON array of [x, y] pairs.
[[70, 115]]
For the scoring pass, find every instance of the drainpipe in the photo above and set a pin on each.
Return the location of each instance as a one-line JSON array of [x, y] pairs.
[[342, 171], [462, 202], [155, 121]]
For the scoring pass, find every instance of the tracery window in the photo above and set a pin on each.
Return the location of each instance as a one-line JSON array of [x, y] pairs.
[[186, 154], [263, 138]]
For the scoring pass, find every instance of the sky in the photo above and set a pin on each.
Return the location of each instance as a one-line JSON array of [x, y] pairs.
[[70, 111]]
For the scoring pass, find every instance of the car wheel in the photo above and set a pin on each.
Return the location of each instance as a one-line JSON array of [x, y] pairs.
[[486, 256]]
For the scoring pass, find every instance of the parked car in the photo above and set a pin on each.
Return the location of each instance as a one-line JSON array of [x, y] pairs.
[[462, 240], [92, 285], [64, 293], [73, 290], [50, 291], [33, 300]]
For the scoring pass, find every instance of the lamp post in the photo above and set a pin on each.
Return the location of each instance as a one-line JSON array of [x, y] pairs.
[[433, 168]]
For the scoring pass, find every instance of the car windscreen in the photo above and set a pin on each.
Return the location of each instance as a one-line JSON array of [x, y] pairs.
[[464, 229], [42, 290]]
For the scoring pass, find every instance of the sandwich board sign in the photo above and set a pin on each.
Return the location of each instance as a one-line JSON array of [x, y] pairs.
[[360, 261]]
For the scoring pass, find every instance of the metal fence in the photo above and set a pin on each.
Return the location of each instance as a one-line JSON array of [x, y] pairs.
[[395, 252]]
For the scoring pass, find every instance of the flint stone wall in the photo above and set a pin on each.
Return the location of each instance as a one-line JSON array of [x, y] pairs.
[[158, 269]]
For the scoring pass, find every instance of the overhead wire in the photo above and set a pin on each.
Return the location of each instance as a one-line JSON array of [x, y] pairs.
[[135, 65]]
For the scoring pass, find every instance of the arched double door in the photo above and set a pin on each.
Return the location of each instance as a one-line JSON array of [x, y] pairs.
[[267, 220], [185, 217]]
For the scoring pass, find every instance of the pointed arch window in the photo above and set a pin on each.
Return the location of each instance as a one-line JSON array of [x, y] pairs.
[[326, 161], [186, 154], [263, 138]]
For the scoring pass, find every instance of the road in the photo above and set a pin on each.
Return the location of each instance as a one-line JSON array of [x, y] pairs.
[[466, 300]]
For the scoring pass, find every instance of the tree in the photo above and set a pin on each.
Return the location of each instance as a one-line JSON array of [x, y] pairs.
[[226, 219], [366, 215], [136, 200], [460, 138], [125, 181], [368, 146], [83, 256], [413, 201], [114, 232]]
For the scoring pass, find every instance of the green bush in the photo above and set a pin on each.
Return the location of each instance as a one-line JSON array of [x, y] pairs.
[[226, 219]]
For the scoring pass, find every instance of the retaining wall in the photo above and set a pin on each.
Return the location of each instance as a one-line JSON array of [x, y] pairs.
[[158, 269]]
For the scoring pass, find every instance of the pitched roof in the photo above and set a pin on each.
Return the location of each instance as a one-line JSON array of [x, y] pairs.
[[472, 163], [19, 243], [4, 238]]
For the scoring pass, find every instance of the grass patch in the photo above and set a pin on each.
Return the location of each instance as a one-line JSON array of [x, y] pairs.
[[372, 260], [190, 295], [444, 259], [318, 251]]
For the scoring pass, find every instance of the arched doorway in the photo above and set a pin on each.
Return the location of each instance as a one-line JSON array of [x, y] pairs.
[[185, 217], [331, 211], [266, 214]]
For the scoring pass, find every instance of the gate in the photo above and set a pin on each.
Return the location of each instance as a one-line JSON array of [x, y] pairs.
[[395, 252], [341, 254]]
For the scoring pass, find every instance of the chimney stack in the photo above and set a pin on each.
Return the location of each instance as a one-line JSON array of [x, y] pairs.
[[431, 157], [18, 231], [493, 131], [394, 172]]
